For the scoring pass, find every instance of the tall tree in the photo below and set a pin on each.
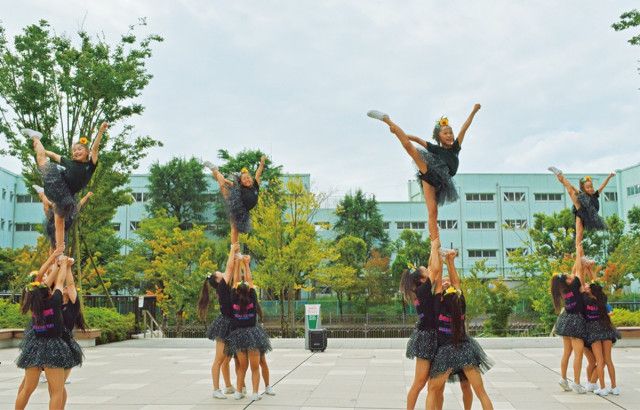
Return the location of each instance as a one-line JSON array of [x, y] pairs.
[[284, 243], [345, 274], [64, 89], [410, 248], [233, 164], [359, 216], [179, 187]]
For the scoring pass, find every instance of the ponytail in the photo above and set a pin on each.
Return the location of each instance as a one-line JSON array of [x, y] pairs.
[[452, 301], [203, 302]]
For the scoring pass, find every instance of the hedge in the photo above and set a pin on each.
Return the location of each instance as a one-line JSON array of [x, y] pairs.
[[114, 327]]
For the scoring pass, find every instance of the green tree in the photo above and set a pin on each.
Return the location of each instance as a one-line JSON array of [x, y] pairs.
[[359, 216], [409, 248], [179, 187], [475, 288], [500, 301], [624, 263], [285, 245], [249, 159], [628, 20], [344, 275], [172, 263], [63, 89]]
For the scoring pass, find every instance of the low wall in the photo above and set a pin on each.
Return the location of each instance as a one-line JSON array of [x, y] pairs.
[[12, 337]]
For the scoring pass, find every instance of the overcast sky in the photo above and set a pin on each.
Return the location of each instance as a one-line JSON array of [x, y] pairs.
[[295, 78]]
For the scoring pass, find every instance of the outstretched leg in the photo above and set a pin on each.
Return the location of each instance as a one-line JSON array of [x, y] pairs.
[[432, 210], [407, 145]]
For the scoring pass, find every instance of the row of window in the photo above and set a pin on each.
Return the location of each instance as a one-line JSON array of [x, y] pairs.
[[4, 194], [492, 253], [633, 190], [453, 224], [550, 197]]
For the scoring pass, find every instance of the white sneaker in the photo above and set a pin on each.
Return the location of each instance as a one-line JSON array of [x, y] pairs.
[[269, 391], [38, 189], [601, 392], [209, 165], [237, 395], [564, 384], [43, 378], [615, 391], [255, 397], [591, 387], [555, 170], [377, 115], [578, 388], [229, 390], [68, 381], [29, 133], [218, 394], [244, 390]]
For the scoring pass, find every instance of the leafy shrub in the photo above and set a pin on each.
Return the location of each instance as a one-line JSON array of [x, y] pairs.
[[10, 316], [624, 317], [114, 327]]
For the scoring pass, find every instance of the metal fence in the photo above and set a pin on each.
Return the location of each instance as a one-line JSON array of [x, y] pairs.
[[632, 306]]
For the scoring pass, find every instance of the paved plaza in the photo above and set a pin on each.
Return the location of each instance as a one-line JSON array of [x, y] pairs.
[[174, 374]]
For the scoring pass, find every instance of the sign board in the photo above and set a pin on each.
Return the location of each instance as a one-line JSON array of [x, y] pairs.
[[312, 321]]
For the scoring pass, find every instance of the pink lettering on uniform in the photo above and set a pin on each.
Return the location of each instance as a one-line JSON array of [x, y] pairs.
[[568, 295], [444, 318]]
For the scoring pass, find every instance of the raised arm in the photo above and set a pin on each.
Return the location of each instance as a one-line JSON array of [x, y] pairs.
[[417, 140], [95, 146], [231, 262], [435, 265], [84, 200], [606, 181], [579, 269], [453, 273], [45, 266], [260, 169], [467, 123], [60, 274], [247, 270], [55, 157], [72, 292]]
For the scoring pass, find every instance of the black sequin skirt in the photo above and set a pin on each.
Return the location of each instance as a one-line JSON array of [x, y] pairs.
[[422, 344], [456, 358], [51, 352], [238, 213], [588, 214], [571, 325], [57, 190], [219, 328], [246, 339], [438, 177], [597, 330]]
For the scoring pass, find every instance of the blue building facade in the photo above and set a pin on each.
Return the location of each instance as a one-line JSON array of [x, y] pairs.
[[491, 218]]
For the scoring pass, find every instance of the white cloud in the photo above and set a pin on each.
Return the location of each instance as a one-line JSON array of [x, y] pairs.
[[295, 79]]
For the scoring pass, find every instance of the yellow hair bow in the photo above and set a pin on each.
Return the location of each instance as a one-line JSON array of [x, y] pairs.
[[587, 178], [244, 170], [83, 141], [443, 122], [411, 266], [450, 290]]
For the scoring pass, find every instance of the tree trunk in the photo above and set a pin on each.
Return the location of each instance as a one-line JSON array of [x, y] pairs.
[[292, 312], [76, 252], [282, 321], [339, 295]]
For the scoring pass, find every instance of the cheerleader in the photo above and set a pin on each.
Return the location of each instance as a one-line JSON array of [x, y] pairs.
[[459, 357], [436, 165], [567, 289], [247, 341], [416, 287], [600, 336], [220, 327], [50, 348], [49, 222], [72, 317], [62, 182], [585, 203], [240, 196]]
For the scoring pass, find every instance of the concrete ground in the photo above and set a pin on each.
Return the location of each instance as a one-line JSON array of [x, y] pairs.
[[174, 374]]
